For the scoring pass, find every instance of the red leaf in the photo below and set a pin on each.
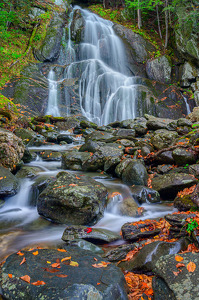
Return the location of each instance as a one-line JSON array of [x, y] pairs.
[[180, 265]]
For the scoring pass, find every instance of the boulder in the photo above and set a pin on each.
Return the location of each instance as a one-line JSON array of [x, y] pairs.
[[184, 156], [64, 138], [174, 283], [77, 26], [135, 173], [128, 207], [72, 274], [144, 194], [74, 160], [11, 149], [29, 172], [154, 123], [159, 69], [94, 234], [163, 138], [25, 134], [188, 74], [48, 155], [120, 252], [122, 166], [38, 186], [73, 200], [9, 184], [146, 258], [169, 185]]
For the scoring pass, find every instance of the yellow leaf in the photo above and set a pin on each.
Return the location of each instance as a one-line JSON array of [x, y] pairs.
[[191, 267], [74, 264], [61, 250], [66, 258], [48, 262]]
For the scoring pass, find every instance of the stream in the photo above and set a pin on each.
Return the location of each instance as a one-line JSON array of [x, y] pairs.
[[21, 225]]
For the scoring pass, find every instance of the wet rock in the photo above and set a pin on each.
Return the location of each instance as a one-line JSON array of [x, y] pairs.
[[126, 143], [88, 124], [183, 156], [119, 253], [135, 173], [94, 234], [90, 146], [133, 232], [146, 258], [99, 136], [25, 134], [9, 184], [122, 166], [143, 194], [50, 48], [159, 69], [28, 172], [74, 160], [163, 138], [81, 281], [64, 137], [48, 155], [194, 170], [178, 222], [168, 285], [38, 186], [125, 132], [154, 123], [77, 26], [163, 169], [73, 200], [85, 245], [11, 149], [37, 141], [184, 203], [169, 185], [128, 207], [51, 137], [28, 156], [184, 122]]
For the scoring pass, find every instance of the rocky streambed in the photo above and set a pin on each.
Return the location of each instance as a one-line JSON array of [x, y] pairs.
[[101, 202]]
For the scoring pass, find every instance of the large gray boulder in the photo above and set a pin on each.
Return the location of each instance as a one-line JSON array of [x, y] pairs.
[[163, 138], [73, 160], [11, 149], [135, 173], [72, 274], [73, 200]]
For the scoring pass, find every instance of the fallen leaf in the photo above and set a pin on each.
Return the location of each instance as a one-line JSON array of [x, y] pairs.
[[66, 258], [55, 265], [25, 278], [10, 275], [100, 265], [95, 258], [98, 283], [74, 264], [23, 261], [20, 253], [48, 262], [35, 253], [191, 267], [176, 273], [149, 292], [38, 282], [179, 258], [50, 270], [62, 275], [61, 250], [179, 265]]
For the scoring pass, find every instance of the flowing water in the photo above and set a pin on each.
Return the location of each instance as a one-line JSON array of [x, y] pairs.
[[21, 226], [52, 108]]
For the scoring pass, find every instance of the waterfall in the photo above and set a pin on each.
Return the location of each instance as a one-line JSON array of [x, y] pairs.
[[106, 93], [187, 105], [52, 108]]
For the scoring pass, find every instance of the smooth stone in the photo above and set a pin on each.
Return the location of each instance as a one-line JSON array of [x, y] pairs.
[[9, 184]]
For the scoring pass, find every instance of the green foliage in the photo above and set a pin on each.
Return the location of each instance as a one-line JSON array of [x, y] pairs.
[[191, 226]]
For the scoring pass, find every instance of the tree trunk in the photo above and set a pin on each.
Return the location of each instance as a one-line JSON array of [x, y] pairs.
[[166, 24], [139, 18], [105, 3], [159, 28]]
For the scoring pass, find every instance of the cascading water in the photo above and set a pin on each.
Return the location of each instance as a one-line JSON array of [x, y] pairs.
[[187, 105], [52, 108], [106, 92]]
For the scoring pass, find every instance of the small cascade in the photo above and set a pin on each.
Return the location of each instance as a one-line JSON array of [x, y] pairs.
[[52, 108], [106, 92], [187, 104]]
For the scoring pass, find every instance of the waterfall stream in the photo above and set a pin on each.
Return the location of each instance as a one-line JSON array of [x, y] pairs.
[[52, 108]]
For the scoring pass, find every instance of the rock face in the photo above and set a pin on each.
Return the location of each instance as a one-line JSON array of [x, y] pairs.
[[73, 200], [159, 69], [75, 278], [11, 149], [167, 285], [50, 48], [9, 184], [77, 26]]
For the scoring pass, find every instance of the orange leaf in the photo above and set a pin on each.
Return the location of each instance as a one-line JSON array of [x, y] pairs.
[[72, 184], [61, 250], [179, 258], [66, 258], [179, 265], [56, 265], [98, 283], [23, 261], [10, 275], [176, 273], [149, 292], [38, 282], [35, 253], [62, 275], [20, 253], [25, 278], [191, 266]]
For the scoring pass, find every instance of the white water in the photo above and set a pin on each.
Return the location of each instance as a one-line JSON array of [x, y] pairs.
[[106, 93], [52, 108], [187, 105]]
